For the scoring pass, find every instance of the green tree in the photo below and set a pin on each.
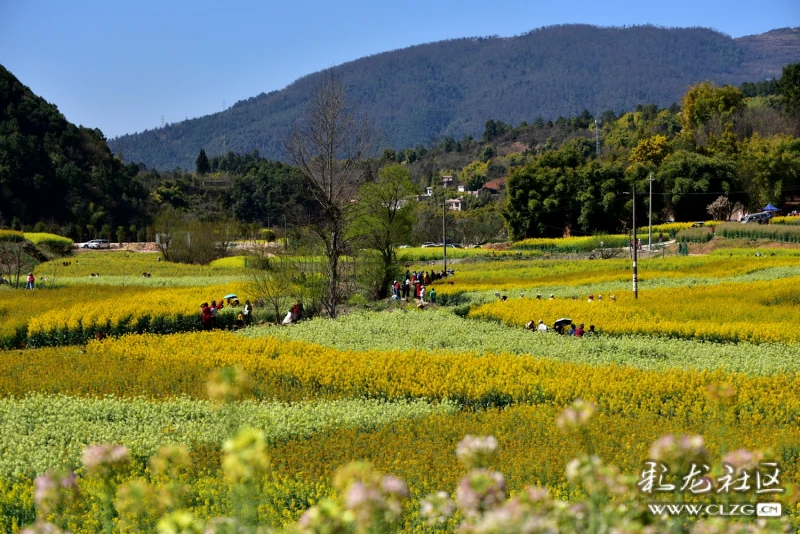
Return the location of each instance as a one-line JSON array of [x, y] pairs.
[[107, 232], [490, 130], [769, 169], [202, 164], [599, 191], [704, 101], [690, 180], [650, 150], [386, 221], [789, 87], [541, 197]]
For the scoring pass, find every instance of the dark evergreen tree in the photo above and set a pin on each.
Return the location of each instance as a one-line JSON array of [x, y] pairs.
[[202, 164]]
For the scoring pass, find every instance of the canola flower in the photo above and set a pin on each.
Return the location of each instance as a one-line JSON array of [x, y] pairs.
[[412, 330], [518, 442], [543, 274], [160, 367], [789, 221], [11, 235], [160, 311], [757, 312], [124, 265], [54, 242], [39, 433], [18, 307]]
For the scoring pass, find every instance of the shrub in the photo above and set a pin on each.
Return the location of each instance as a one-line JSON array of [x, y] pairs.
[[694, 235], [56, 243], [11, 235]]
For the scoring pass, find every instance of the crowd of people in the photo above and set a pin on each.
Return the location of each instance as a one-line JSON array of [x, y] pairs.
[[208, 313], [416, 283], [564, 326]]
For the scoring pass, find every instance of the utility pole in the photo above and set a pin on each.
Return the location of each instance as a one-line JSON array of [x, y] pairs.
[[444, 230], [635, 252], [650, 217], [596, 139]]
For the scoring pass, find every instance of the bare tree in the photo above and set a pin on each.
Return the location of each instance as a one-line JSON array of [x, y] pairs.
[[14, 261], [277, 279], [330, 145], [722, 208], [270, 281]]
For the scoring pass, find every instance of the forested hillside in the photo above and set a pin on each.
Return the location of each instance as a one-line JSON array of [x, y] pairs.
[[451, 88], [52, 170]]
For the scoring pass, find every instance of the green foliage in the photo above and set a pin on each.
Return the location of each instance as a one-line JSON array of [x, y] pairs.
[[705, 101], [790, 87], [267, 235], [201, 163], [56, 243], [563, 189], [693, 179], [786, 233], [385, 221], [694, 235], [769, 169]]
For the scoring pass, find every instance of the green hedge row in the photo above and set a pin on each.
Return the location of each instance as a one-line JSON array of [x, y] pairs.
[[144, 324], [789, 234], [694, 235]]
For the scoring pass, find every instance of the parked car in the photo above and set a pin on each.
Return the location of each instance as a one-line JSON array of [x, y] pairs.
[[429, 244], [698, 224], [86, 244], [99, 243], [761, 217]]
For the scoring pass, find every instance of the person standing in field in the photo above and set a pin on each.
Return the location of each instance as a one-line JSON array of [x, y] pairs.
[[31, 280], [248, 312], [432, 295], [213, 311], [205, 316]]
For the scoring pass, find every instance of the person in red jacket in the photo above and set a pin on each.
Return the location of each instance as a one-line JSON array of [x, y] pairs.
[[205, 316]]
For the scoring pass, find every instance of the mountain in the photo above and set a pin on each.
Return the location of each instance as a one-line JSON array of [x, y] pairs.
[[54, 171], [453, 87]]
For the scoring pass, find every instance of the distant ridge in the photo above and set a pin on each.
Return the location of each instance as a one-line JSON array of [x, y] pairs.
[[453, 87]]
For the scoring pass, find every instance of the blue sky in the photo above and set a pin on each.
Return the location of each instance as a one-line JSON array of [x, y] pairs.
[[120, 66]]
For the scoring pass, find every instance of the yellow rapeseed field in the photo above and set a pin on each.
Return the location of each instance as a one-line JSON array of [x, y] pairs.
[[756, 312], [168, 366], [508, 275]]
